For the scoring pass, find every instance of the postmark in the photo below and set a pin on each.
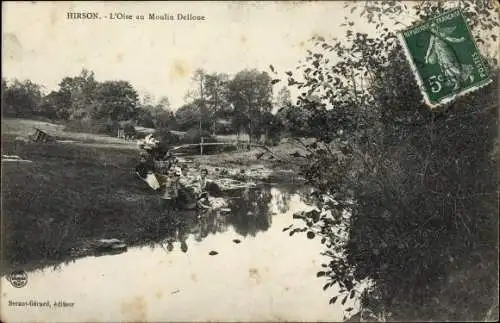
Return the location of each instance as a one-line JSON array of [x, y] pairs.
[[18, 278], [445, 57]]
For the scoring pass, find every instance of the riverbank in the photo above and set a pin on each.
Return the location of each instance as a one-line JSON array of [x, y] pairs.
[[68, 195]]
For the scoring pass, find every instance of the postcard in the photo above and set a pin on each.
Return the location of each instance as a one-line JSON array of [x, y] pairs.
[[249, 161]]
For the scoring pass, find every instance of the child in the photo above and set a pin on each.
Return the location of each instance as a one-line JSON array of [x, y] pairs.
[[168, 199], [203, 179], [202, 200]]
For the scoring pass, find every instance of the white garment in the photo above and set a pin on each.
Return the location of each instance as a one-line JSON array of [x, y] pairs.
[[148, 142], [152, 181], [217, 202]]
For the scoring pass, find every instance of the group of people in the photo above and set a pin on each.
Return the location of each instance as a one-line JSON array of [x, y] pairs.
[[164, 176]]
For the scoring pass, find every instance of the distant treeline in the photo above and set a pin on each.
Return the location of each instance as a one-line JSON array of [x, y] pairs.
[[218, 104]]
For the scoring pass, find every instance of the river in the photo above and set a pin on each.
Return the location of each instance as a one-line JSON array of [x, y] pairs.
[[235, 266]]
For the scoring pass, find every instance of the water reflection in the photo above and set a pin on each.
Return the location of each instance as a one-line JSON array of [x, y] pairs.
[[186, 274], [250, 211]]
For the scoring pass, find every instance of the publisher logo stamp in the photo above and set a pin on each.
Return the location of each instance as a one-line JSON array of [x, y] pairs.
[[445, 57], [18, 278]]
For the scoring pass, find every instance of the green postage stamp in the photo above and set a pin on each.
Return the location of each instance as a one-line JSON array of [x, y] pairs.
[[445, 57]]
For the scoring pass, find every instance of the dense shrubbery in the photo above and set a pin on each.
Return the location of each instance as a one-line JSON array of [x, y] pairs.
[[92, 126], [419, 185], [105, 127], [129, 130], [167, 137], [193, 136]]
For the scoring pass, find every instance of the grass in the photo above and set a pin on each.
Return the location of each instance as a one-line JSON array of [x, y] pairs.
[[67, 196], [72, 194], [25, 127]]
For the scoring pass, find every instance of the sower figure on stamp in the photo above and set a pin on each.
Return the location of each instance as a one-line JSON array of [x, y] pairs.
[[441, 53]]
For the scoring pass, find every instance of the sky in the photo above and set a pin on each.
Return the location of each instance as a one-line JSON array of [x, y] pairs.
[[159, 57]]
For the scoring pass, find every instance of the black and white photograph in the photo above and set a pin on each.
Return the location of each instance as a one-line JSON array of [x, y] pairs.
[[250, 161]]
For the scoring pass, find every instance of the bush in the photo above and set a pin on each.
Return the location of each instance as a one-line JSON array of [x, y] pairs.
[[425, 207], [166, 137], [193, 136], [129, 130], [92, 126], [224, 129]]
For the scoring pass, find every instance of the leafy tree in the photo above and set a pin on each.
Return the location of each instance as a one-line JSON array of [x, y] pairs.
[[188, 116], [147, 99], [216, 95], [164, 119], [250, 92], [404, 193], [156, 115], [80, 92], [164, 103], [196, 98], [283, 99], [53, 106], [5, 87], [210, 93], [272, 126], [117, 100], [21, 99], [144, 117]]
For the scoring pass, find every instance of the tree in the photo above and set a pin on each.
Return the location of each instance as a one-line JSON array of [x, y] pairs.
[[164, 119], [148, 99], [250, 91], [283, 98], [5, 88], [54, 105], [210, 94], [272, 126], [164, 103], [145, 117], [188, 116], [21, 99], [198, 77], [80, 92], [406, 176], [117, 101], [216, 95]]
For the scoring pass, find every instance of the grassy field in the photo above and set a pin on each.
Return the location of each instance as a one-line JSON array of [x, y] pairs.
[[23, 128], [71, 194]]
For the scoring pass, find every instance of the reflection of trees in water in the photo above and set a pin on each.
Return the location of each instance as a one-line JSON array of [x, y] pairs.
[[250, 213], [306, 196], [282, 200]]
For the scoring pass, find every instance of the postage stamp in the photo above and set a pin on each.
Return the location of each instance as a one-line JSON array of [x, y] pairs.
[[445, 57]]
